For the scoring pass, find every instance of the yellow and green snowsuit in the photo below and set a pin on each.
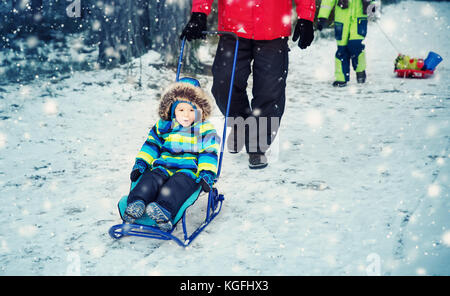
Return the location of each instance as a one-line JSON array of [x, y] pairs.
[[350, 25]]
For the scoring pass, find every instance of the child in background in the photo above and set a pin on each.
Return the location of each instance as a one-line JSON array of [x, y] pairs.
[[350, 29], [179, 155]]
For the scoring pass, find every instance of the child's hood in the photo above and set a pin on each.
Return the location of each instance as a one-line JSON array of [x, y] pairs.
[[184, 91]]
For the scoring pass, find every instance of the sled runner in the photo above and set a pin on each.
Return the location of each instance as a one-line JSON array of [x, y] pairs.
[[410, 73], [146, 227]]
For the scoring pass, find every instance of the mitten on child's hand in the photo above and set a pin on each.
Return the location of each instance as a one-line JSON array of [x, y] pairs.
[[206, 180], [321, 23], [138, 169]]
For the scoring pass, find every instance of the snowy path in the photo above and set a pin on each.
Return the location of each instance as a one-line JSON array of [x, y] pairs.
[[358, 176]]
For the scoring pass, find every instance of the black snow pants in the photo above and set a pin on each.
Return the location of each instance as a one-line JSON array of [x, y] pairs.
[[169, 192], [262, 116]]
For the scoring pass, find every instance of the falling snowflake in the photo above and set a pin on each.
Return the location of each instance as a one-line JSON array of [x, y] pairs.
[[25, 91], [434, 190], [286, 20], [389, 25], [321, 73], [386, 151], [314, 118], [431, 130], [446, 238], [256, 112], [427, 10], [47, 205], [32, 41], [27, 230], [421, 271], [97, 251], [2, 140], [165, 191], [50, 107]]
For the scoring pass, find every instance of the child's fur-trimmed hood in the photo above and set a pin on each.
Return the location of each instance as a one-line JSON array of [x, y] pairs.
[[184, 91]]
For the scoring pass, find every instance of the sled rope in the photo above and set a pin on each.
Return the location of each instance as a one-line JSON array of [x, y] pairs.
[[386, 36]]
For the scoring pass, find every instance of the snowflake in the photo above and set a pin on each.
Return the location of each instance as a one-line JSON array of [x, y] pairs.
[[27, 230], [2, 140], [286, 19], [421, 271], [50, 107], [389, 25], [314, 118], [434, 190], [427, 10], [446, 238]]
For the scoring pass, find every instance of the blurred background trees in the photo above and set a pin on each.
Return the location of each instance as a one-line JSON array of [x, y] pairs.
[[53, 38]]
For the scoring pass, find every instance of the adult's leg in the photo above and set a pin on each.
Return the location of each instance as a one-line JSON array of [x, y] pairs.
[[270, 70], [222, 70]]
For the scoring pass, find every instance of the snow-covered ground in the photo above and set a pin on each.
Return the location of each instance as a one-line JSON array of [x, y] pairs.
[[358, 181]]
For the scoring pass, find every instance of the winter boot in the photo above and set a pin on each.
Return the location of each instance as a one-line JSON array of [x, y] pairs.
[[257, 160], [134, 211], [339, 83], [361, 77], [160, 215]]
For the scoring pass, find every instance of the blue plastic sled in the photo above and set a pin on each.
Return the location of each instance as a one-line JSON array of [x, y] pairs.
[[146, 227]]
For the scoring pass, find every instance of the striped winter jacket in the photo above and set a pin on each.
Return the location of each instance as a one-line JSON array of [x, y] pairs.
[[174, 148]]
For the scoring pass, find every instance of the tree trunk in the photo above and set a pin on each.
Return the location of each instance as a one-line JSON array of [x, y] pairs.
[[124, 31], [130, 28]]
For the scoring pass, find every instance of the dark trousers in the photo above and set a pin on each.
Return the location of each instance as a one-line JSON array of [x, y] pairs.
[[270, 68], [169, 192]]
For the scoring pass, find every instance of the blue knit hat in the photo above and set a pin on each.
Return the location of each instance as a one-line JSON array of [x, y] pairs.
[[190, 80], [174, 106]]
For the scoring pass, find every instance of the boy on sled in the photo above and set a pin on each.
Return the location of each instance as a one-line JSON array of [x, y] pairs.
[[179, 155]]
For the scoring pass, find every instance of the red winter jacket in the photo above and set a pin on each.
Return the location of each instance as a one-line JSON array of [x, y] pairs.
[[257, 19]]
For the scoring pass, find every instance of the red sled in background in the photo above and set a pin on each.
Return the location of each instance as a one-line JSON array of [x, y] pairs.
[[407, 67], [410, 73]]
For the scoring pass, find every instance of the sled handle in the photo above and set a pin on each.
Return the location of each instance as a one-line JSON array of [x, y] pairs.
[[230, 92], [183, 42], [180, 59]]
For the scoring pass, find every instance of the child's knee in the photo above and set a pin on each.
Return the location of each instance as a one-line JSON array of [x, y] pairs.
[[355, 47]]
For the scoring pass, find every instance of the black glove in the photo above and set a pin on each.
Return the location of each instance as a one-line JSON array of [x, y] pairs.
[[344, 4], [138, 170], [304, 30], [195, 27], [366, 4], [321, 23]]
